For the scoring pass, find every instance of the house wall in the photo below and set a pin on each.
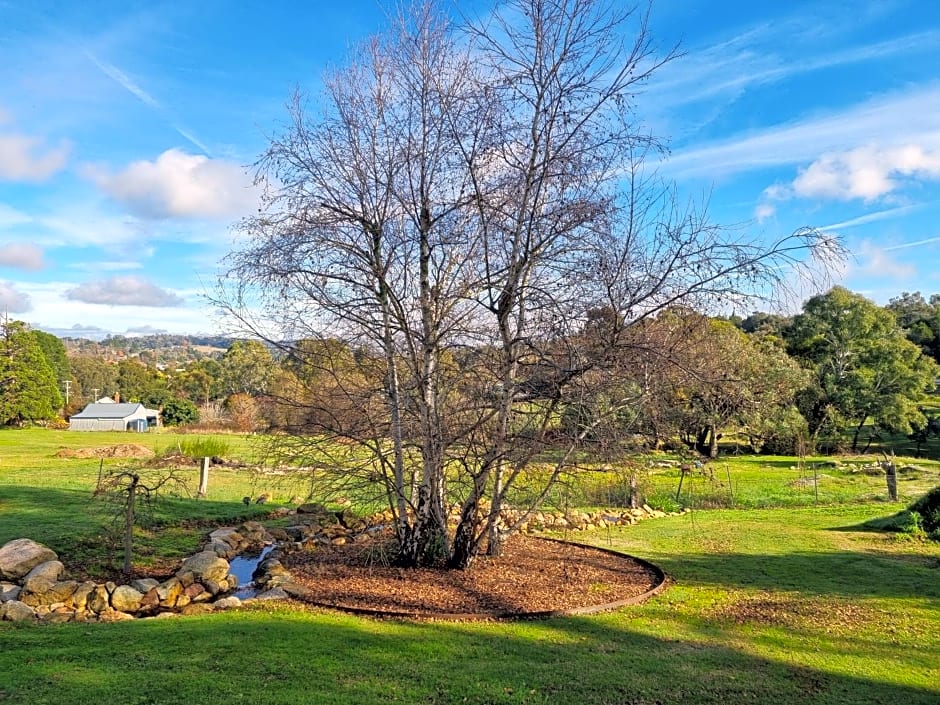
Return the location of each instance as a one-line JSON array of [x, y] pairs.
[[97, 424]]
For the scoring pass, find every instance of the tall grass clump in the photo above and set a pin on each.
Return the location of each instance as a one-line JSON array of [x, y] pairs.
[[199, 447]]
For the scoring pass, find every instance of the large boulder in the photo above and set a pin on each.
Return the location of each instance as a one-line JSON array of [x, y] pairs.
[[126, 599], [204, 566], [16, 611], [40, 581], [20, 556]]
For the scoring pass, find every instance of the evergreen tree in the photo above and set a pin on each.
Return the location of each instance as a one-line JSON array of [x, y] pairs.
[[29, 390]]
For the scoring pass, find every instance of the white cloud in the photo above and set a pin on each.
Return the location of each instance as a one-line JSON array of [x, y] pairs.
[[12, 300], [146, 330], [865, 172], [26, 158], [22, 255], [124, 291], [763, 211], [181, 185]]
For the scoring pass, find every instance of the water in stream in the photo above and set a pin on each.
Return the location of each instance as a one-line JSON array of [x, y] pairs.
[[242, 567]]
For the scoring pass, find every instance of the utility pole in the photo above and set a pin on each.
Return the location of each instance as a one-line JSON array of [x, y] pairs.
[[68, 388], [95, 390]]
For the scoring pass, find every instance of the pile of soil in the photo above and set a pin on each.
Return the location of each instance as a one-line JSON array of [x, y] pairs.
[[532, 576], [123, 450]]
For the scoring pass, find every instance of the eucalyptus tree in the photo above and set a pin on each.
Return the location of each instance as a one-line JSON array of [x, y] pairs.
[[864, 366], [460, 198]]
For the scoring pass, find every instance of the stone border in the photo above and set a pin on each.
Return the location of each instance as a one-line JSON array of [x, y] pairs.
[[303, 594]]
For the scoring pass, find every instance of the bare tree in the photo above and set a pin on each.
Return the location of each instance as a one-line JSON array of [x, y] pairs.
[[460, 201]]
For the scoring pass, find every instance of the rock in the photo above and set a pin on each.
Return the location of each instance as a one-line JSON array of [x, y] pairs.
[[205, 566], [39, 581], [9, 591], [126, 599], [150, 601], [20, 556], [219, 548], [58, 616], [194, 590], [295, 590], [279, 534], [202, 608], [115, 616], [16, 611], [312, 508], [98, 600], [61, 592], [169, 592], [79, 598], [144, 585], [227, 603], [272, 594]]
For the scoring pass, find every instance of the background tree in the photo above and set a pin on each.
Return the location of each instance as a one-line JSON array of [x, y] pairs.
[[179, 412], [461, 202], [920, 320], [139, 383], [864, 365], [29, 390], [94, 377], [247, 367]]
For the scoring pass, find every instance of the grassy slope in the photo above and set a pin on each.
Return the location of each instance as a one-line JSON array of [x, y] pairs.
[[773, 605], [783, 606]]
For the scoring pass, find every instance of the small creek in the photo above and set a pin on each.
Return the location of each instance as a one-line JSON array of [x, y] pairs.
[[242, 567]]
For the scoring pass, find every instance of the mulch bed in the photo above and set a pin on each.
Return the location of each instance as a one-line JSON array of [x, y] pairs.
[[531, 577]]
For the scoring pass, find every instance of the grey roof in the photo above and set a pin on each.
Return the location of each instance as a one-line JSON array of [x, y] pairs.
[[112, 411]]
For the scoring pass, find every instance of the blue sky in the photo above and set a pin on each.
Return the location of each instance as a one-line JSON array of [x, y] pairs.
[[126, 129]]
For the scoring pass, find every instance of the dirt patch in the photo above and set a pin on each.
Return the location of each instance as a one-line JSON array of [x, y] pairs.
[[531, 576], [783, 610], [123, 450]]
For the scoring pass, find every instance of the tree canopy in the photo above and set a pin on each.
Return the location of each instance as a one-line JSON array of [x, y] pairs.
[[864, 365], [29, 390], [451, 211]]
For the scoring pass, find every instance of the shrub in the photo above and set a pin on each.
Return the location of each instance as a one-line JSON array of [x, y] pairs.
[[179, 412]]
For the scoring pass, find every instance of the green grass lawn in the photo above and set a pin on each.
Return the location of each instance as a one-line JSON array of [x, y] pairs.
[[781, 606], [771, 605]]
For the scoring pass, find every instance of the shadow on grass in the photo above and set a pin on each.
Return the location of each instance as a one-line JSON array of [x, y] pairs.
[[76, 525], [291, 657]]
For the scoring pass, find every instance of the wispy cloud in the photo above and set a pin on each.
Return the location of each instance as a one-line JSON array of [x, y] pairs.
[[128, 84], [870, 218], [27, 157], [916, 243], [755, 57], [907, 117]]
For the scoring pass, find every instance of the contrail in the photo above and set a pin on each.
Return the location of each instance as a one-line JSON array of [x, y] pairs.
[[123, 80]]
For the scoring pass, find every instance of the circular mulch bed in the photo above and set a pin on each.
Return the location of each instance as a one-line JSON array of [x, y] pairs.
[[533, 577]]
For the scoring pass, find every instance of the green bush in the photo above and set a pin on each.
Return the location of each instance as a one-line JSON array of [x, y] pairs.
[[928, 508], [179, 412]]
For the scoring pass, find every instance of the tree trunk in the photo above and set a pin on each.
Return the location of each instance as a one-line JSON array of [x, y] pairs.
[[858, 431]]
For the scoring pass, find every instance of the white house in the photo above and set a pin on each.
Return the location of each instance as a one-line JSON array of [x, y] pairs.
[[112, 416]]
